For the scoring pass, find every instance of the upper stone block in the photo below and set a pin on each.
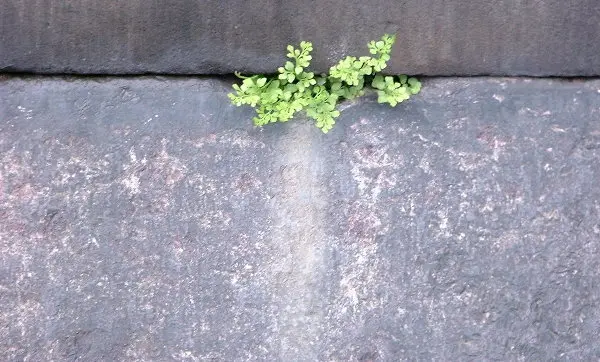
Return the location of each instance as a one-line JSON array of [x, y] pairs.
[[455, 37]]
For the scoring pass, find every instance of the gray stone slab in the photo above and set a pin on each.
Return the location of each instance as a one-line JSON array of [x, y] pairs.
[[146, 219], [511, 37]]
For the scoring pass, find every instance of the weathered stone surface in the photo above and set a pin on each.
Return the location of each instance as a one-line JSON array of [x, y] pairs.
[[146, 219], [512, 37]]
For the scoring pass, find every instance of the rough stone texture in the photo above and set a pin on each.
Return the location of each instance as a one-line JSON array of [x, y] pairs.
[[457, 37], [146, 219]]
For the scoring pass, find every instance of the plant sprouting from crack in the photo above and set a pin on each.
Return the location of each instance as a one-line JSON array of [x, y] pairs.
[[294, 89]]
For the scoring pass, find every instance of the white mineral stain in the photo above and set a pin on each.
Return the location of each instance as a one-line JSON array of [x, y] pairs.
[[132, 155], [132, 184], [26, 111], [374, 172]]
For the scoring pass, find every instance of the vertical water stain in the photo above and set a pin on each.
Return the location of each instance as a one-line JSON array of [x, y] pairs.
[[295, 273]]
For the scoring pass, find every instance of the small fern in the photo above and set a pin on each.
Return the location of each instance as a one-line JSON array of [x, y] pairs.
[[278, 98]]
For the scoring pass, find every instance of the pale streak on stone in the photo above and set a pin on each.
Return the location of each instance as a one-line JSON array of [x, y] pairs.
[[299, 240]]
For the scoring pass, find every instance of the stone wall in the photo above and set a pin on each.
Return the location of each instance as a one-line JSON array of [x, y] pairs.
[[456, 37], [146, 219]]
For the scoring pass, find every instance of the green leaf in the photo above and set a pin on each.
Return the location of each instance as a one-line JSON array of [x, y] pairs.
[[413, 82], [378, 82], [414, 85], [261, 82]]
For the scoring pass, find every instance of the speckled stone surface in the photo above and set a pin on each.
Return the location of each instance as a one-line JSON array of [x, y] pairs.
[[146, 219]]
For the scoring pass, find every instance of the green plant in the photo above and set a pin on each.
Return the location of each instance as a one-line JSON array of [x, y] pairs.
[[278, 98]]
